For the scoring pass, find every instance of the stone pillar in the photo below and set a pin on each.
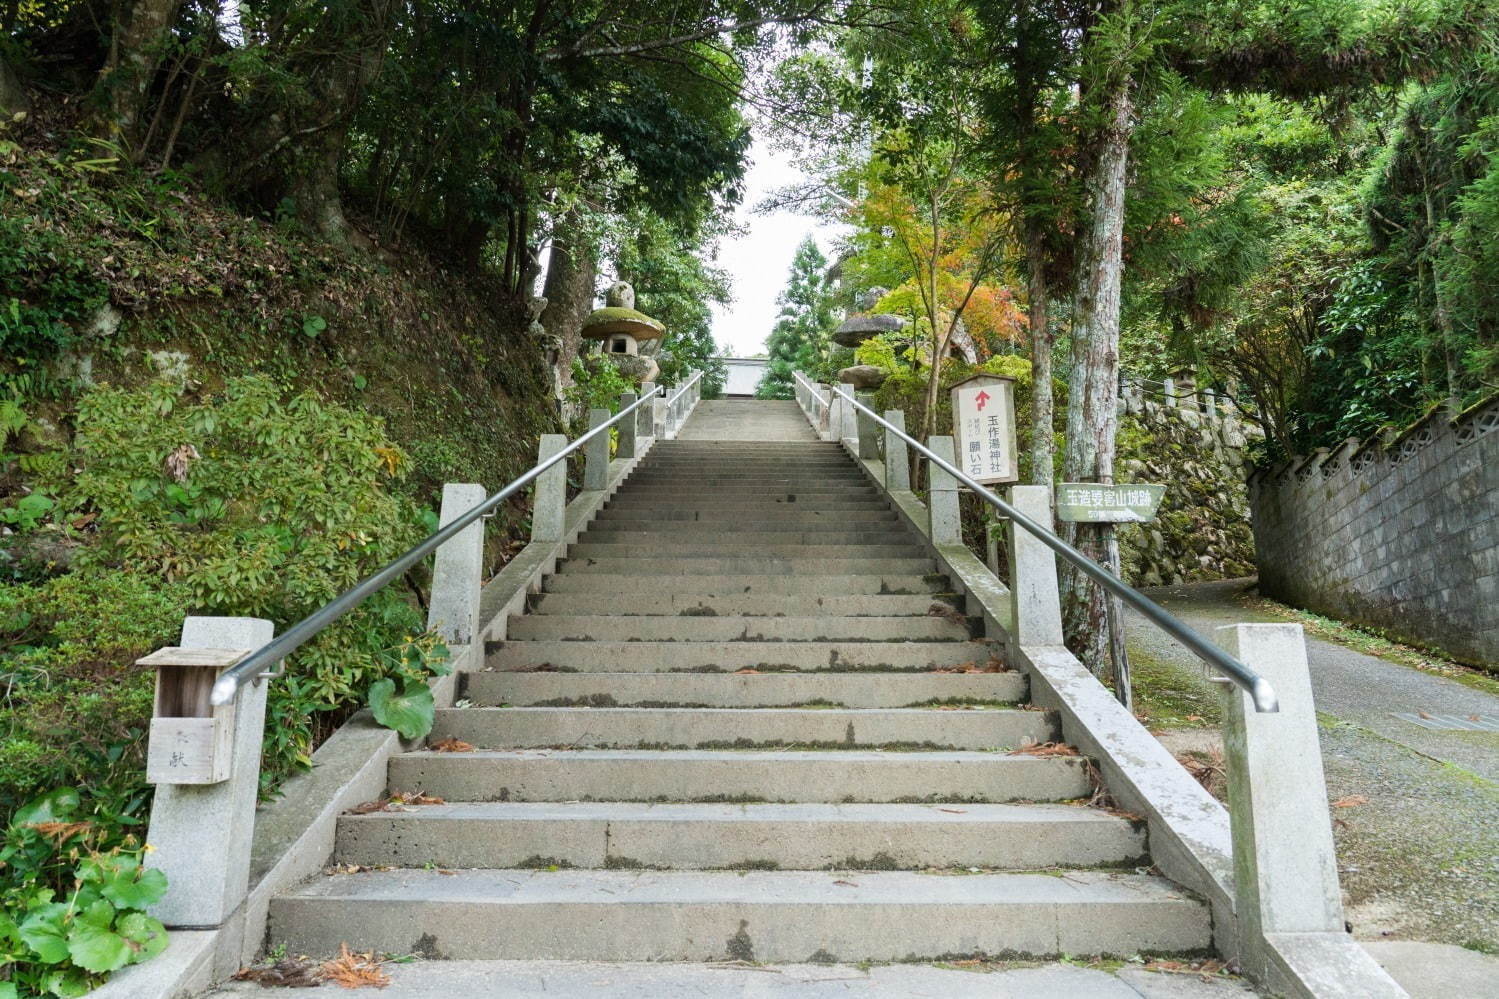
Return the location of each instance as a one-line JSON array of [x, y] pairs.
[[1168, 389], [646, 416], [202, 832], [825, 425], [1037, 602], [629, 426], [897, 454], [869, 441], [942, 502], [549, 507], [657, 411], [596, 452], [457, 572], [1285, 869], [848, 425]]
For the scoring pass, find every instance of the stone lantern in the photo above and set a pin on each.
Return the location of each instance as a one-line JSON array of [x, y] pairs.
[[627, 337]]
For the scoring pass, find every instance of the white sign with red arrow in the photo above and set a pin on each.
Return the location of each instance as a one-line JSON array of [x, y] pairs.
[[983, 410]]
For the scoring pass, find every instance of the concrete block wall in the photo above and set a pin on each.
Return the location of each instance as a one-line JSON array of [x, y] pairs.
[[1399, 533]]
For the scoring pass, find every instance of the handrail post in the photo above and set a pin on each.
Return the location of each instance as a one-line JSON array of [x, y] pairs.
[[596, 452], [897, 455], [647, 417], [844, 425], [869, 444], [825, 425], [1037, 603], [458, 568], [201, 833], [628, 429], [549, 507], [942, 503], [1285, 867]]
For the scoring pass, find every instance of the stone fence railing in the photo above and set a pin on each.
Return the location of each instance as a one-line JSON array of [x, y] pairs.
[[1399, 532]]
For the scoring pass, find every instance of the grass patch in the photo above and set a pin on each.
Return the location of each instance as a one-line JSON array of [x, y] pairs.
[[1171, 696]]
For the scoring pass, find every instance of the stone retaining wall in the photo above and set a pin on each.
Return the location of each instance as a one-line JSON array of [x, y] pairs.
[[1400, 532]]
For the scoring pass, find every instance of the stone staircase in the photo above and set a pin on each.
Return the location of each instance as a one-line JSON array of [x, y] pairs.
[[744, 720]]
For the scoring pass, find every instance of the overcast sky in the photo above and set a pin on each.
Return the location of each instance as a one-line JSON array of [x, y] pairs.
[[759, 261]]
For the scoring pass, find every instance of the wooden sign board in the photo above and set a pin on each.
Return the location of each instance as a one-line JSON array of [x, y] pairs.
[[983, 418], [1092, 503]]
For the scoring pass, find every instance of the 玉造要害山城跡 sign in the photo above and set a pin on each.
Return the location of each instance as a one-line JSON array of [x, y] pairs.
[[1094, 503]]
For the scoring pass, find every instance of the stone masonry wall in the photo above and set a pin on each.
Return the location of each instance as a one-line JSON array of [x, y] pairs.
[[1400, 533]]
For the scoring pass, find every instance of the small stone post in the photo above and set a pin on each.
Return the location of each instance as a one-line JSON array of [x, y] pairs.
[[942, 503], [825, 425], [1168, 389], [457, 572], [202, 832], [848, 426], [549, 507], [596, 452], [1285, 870], [646, 417], [869, 442], [629, 426], [897, 454], [1033, 572]]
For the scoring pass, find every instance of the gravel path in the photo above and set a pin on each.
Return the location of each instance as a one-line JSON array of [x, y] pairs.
[[1420, 859]]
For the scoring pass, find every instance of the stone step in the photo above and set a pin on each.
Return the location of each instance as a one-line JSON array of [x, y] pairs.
[[691, 486], [742, 690], [744, 728], [791, 518], [742, 604], [693, 628], [738, 472], [636, 589], [801, 837], [709, 566], [833, 499], [739, 916], [740, 775], [722, 547], [666, 657], [611, 535]]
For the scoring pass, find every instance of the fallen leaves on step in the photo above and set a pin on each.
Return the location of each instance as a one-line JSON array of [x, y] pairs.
[[355, 971], [746, 671], [1205, 969], [396, 802], [1351, 801], [992, 666], [847, 884], [287, 973], [1208, 769], [1030, 747], [954, 811], [452, 745], [353, 869], [945, 611]]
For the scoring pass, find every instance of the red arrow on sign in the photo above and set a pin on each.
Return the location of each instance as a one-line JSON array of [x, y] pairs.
[[981, 398]]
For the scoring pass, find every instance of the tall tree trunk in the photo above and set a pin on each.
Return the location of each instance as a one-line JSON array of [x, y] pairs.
[[1043, 443], [1092, 401], [126, 78], [13, 99], [568, 291]]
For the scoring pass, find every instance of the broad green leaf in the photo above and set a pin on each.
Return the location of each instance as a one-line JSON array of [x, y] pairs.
[[410, 712], [67, 983], [98, 948], [54, 806], [8, 990], [146, 936], [133, 888], [42, 931]]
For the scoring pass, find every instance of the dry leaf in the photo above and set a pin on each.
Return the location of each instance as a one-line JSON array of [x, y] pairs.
[[1423, 714], [847, 884], [451, 745], [1030, 748], [746, 670], [355, 971], [954, 811], [288, 973], [179, 461], [1351, 801]]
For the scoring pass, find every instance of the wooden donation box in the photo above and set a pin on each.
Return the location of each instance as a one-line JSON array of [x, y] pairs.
[[192, 741]]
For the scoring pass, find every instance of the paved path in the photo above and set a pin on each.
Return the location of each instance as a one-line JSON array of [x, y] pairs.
[[746, 420], [565, 980], [1420, 859]]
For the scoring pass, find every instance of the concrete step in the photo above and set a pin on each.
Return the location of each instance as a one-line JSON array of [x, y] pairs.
[[768, 502], [742, 604], [693, 628], [791, 518], [742, 690], [623, 532], [722, 547], [639, 589], [666, 657], [771, 472], [682, 486], [709, 566], [758, 916], [744, 728], [739, 775], [804, 837]]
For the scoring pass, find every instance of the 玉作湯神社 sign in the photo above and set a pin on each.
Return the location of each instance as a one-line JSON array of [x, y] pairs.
[[983, 417], [1093, 503]]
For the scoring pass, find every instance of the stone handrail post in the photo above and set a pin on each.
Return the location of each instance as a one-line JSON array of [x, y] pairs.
[[1036, 601], [869, 442], [825, 424], [648, 418], [1285, 868], [549, 505], [458, 568], [942, 501], [628, 429], [596, 452], [897, 454]]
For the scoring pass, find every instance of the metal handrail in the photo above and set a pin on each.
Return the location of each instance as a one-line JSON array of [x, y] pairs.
[[1257, 686], [293, 638], [696, 375]]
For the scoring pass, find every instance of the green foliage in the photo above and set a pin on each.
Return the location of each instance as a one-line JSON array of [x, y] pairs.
[[800, 340], [74, 899], [597, 384]]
